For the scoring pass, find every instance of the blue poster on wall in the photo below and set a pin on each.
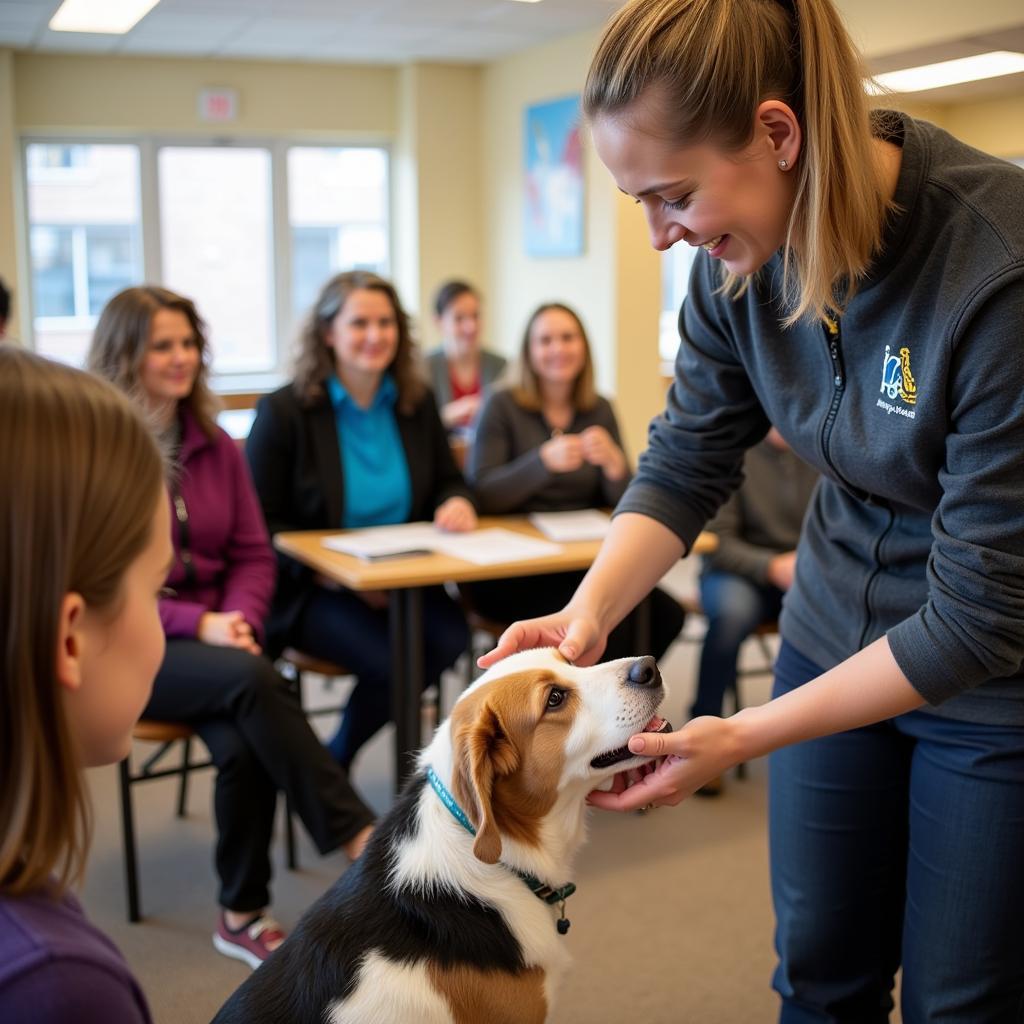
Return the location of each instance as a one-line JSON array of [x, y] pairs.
[[553, 211]]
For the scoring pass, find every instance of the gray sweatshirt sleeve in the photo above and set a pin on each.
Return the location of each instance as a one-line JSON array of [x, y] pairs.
[[695, 447], [971, 628], [503, 482]]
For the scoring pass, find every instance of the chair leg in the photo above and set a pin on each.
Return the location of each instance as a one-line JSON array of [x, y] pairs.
[[291, 855], [131, 878], [186, 767]]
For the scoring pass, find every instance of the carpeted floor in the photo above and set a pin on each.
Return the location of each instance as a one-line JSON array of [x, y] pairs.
[[671, 923]]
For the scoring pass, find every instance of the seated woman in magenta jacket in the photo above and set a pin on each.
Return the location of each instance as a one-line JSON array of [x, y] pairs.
[[151, 343], [356, 440]]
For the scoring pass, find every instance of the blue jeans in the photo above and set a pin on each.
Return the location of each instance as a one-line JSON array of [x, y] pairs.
[[734, 608], [901, 843], [339, 626]]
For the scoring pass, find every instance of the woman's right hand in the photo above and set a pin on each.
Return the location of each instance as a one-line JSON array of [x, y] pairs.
[[562, 454], [578, 637], [227, 629]]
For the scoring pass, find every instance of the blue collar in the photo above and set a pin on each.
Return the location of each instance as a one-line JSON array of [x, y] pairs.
[[387, 393], [539, 889]]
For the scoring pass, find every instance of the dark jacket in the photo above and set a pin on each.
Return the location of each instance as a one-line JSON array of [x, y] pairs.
[[506, 470], [295, 459], [913, 413]]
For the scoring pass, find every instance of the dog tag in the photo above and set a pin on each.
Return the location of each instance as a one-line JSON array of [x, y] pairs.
[[562, 924]]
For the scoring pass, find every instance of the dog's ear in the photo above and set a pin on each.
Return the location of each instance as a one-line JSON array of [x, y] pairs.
[[484, 753]]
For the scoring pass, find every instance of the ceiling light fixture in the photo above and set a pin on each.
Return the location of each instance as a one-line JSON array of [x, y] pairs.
[[111, 16], [947, 72]]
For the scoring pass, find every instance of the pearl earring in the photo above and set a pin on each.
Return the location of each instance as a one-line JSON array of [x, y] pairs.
[[783, 165]]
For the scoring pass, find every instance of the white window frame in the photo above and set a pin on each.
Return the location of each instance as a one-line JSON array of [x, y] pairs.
[[149, 227]]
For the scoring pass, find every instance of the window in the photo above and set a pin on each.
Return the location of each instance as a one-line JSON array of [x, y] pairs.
[[337, 211], [84, 238], [676, 265], [251, 251], [216, 245]]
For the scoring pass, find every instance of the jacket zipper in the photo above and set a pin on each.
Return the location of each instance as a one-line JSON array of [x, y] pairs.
[[832, 339], [185, 538]]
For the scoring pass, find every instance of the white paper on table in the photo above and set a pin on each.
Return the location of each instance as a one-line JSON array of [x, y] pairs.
[[585, 524], [377, 542], [493, 546]]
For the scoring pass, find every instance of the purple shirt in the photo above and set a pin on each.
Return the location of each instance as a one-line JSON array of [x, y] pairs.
[[55, 967], [233, 566]]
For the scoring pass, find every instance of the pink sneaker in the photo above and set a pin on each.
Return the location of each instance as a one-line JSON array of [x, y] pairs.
[[251, 943]]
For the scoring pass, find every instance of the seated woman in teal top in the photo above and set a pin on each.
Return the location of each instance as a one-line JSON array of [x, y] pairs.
[[356, 440], [377, 488]]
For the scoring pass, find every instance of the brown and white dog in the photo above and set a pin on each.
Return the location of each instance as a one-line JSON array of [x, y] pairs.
[[435, 924]]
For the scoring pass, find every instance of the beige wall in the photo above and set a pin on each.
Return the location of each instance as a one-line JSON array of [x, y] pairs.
[[995, 126], [614, 285], [438, 228], [148, 94]]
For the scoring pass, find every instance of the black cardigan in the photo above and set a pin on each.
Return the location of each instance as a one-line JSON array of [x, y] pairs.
[[295, 459]]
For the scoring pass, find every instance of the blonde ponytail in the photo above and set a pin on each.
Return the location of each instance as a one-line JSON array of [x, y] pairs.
[[715, 62]]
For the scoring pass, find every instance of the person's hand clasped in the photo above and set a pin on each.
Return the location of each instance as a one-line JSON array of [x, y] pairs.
[[599, 449], [563, 453], [456, 515], [227, 629], [702, 749], [460, 410]]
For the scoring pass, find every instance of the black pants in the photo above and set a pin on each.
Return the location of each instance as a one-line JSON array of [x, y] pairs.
[[261, 743], [339, 626], [526, 597]]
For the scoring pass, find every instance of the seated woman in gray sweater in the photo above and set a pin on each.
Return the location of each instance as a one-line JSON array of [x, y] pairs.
[[550, 443]]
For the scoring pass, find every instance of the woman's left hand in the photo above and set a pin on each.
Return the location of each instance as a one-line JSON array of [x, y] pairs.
[[701, 750], [456, 515], [599, 449]]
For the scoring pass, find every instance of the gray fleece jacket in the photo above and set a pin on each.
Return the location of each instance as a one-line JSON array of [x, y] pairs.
[[912, 411]]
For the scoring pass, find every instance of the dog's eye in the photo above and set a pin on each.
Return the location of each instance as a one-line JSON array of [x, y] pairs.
[[556, 698]]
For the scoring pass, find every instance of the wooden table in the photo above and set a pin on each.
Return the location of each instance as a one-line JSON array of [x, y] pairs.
[[404, 579]]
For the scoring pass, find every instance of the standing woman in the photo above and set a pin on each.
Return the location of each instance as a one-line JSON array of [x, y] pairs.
[[460, 371], [84, 550], [551, 443], [355, 440], [151, 343], [862, 288]]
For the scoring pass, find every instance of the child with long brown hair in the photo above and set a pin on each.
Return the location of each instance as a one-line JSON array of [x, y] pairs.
[[84, 551]]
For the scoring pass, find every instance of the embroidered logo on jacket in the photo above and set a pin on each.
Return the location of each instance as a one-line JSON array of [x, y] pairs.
[[898, 382]]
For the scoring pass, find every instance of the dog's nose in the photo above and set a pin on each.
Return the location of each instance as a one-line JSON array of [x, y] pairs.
[[644, 672]]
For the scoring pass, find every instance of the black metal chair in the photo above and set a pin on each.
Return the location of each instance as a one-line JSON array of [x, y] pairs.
[[167, 735]]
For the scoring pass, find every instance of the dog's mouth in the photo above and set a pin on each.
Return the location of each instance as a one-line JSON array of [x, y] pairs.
[[610, 757]]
